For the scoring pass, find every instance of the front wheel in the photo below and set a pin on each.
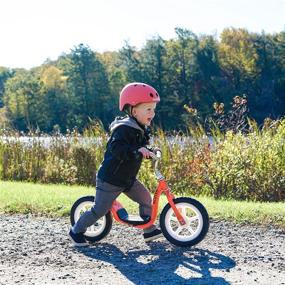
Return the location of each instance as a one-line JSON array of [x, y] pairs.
[[97, 231], [195, 216]]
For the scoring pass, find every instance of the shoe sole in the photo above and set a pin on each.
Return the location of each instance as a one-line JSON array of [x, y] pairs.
[[153, 238], [78, 244]]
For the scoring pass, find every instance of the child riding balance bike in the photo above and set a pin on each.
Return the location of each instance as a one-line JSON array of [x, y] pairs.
[[184, 221]]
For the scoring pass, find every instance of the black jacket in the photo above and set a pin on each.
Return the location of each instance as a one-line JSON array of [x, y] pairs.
[[122, 160]]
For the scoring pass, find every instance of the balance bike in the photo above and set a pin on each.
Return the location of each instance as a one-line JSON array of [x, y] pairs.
[[184, 221]]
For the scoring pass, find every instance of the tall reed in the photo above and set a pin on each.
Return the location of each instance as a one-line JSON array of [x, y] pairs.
[[227, 164]]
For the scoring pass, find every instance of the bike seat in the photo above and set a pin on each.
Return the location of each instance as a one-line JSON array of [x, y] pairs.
[[131, 219]]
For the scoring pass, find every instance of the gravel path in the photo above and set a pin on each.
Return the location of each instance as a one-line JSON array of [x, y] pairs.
[[37, 251]]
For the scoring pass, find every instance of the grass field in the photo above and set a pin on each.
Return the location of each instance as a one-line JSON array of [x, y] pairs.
[[56, 200]]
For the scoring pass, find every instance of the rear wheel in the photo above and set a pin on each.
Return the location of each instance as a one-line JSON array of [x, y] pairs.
[[97, 231], [195, 216]]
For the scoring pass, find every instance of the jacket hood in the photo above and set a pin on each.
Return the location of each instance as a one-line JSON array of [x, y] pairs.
[[126, 121]]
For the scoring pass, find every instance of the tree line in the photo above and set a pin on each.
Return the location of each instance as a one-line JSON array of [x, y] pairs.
[[189, 71]]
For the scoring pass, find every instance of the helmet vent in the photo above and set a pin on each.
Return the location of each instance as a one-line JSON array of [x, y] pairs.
[[151, 95]]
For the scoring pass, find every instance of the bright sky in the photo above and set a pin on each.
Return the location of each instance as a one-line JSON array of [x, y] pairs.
[[34, 30]]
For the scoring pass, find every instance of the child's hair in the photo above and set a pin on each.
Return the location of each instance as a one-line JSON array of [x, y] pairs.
[[128, 109]]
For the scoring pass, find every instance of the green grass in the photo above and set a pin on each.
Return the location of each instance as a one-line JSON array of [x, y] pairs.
[[56, 201], [266, 213], [46, 200]]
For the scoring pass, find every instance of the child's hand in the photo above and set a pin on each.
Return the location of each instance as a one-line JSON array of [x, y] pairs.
[[145, 152]]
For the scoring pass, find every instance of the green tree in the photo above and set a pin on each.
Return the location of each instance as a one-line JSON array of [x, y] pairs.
[[131, 63], [280, 82], [88, 87], [5, 74], [153, 68], [116, 79], [25, 101], [238, 58], [181, 67], [56, 97], [207, 82]]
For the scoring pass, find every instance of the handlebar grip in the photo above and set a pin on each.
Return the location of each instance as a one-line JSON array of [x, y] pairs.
[[158, 153]]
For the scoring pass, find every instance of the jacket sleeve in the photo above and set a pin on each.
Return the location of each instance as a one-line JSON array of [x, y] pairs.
[[120, 144]]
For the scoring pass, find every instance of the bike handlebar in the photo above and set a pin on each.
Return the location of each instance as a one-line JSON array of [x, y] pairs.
[[156, 155]]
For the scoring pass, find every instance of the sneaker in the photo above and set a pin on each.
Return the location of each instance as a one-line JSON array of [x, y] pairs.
[[77, 239], [155, 234]]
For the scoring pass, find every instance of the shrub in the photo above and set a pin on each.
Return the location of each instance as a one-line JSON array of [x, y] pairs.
[[249, 166]]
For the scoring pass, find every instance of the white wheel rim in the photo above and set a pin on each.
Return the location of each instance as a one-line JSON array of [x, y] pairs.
[[95, 229], [193, 219]]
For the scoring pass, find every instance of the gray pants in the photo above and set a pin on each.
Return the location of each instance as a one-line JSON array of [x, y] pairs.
[[106, 193]]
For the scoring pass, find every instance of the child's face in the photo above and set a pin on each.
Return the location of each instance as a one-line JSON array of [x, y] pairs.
[[144, 113]]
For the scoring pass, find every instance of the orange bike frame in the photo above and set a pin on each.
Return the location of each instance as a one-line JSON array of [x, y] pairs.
[[161, 188]]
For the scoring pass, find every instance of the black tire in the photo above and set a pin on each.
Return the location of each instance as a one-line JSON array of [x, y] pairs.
[[167, 220], [97, 231]]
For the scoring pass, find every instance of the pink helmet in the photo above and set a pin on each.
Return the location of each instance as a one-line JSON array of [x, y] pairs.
[[135, 93]]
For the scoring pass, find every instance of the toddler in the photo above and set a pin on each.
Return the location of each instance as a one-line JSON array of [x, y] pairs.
[[122, 160]]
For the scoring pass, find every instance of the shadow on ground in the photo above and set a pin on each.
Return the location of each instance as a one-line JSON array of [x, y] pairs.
[[163, 264]]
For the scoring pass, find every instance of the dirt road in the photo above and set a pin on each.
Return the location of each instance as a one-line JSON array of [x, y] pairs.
[[37, 251]]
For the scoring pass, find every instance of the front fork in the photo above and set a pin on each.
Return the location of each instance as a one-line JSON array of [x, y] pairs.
[[170, 198]]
